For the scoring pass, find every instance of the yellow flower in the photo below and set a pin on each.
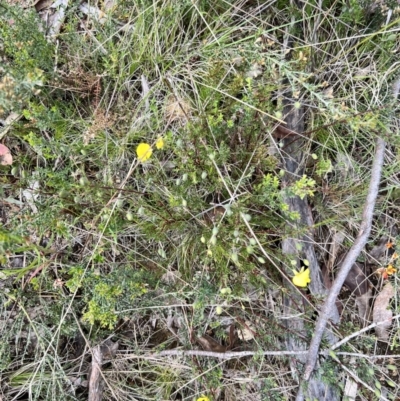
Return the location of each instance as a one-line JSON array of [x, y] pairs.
[[390, 270], [386, 272], [301, 278], [143, 152], [203, 398], [160, 143]]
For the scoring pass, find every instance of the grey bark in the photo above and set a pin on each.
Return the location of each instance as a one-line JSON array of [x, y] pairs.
[[96, 382], [293, 160], [301, 246]]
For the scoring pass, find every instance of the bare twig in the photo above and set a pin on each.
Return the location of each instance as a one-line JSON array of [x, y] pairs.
[[358, 355], [57, 19], [357, 333], [350, 259], [241, 354], [357, 379], [226, 355]]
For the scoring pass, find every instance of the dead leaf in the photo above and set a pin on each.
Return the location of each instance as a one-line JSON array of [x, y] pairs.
[[328, 93], [109, 349], [6, 158], [247, 332], [31, 194], [145, 91], [56, 20], [350, 390], [237, 61], [379, 251], [337, 240], [364, 308], [93, 12], [356, 281], [170, 277], [213, 215], [43, 4], [110, 5], [362, 73], [173, 324], [177, 110], [232, 336], [381, 313], [209, 344], [254, 71]]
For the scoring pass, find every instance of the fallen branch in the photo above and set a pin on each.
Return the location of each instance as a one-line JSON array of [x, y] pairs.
[[96, 382], [357, 333], [241, 354], [100, 354], [357, 379], [350, 259], [225, 355]]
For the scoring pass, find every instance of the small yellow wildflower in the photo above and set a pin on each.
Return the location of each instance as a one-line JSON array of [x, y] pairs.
[[390, 270], [386, 272], [203, 398], [301, 278], [160, 143], [143, 152]]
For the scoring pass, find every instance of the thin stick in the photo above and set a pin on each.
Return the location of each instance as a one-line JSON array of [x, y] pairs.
[[357, 355], [356, 333], [242, 354], [357, 379], [350, 259], [226, 355]]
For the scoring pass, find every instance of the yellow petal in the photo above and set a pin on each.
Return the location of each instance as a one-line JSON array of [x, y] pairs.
[[301, 278], [390, 270], [143, 152], [160, 143], [203, 398]]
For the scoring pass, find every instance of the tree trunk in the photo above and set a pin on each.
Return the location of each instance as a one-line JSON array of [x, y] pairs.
[[300, 247]]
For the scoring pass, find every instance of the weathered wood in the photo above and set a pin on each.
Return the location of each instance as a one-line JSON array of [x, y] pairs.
[[96, 382], [100, 354], [298, 248]]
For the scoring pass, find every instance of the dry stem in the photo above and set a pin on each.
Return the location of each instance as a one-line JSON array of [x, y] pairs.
[[350, 259]]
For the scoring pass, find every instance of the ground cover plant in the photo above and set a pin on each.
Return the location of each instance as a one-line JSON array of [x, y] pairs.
[[186, 180]]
